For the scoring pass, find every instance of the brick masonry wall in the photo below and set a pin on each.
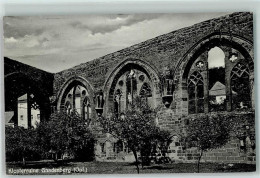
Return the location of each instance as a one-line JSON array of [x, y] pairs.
[[232, 152]]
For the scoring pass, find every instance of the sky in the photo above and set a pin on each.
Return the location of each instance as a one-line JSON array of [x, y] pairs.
[[56, 43], [216, 58]]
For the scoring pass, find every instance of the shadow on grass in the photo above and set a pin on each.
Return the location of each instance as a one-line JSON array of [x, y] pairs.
[[158, 167], [235, 168]]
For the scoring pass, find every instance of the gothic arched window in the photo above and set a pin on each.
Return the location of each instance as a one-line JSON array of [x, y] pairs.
[[86, 109], [196, 93], [77, 99], [240, 86], [131, 84]]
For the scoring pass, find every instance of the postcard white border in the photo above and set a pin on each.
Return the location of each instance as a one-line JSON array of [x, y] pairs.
[[72, 7]]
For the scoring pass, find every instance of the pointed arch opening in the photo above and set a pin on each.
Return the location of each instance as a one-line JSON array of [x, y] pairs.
[[217, 82], [129, 77], [77, 95], [196, 93], [240, 85], [197, 59]]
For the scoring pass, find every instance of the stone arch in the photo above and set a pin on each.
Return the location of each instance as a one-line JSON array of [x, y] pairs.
[[239, 43], [149, 70], [224, 41], [68, 85]]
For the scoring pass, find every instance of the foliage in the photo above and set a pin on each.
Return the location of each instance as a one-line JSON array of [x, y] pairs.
[[138, 129], [243, 126], [65, 133], [207, 132], [20, 144], [215, 107], [213, 130]]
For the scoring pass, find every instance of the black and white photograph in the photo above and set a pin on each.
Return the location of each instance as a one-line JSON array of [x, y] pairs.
[[141, 93]]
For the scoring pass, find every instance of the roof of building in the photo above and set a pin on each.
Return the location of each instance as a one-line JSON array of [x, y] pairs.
[[9, 117], [23, 98], [219, 89]]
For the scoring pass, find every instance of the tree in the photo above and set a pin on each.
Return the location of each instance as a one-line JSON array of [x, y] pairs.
[[65, 133], [20, 143], [206, 133], [136, 126], [164, 139]]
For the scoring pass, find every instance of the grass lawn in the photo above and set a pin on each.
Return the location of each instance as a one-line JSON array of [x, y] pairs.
[[123, 168]]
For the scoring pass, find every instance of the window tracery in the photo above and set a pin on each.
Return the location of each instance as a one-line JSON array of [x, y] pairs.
[[240, 84], [196, 93]]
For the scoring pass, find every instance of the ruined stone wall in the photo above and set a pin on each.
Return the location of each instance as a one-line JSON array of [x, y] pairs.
[[174, 51], [21, 79], [232, 152], [164, 50], [43, 79]]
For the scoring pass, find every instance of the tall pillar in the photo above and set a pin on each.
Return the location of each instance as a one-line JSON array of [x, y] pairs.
[[205, 75], [82, 106], [74, 98], [251, 79], [16, 112], [228, 67], [29, 104]]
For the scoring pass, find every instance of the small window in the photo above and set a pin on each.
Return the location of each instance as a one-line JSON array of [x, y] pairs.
[[21, 117]]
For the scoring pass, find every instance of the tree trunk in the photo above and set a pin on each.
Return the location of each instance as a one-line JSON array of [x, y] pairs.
[[24, 161], [136, 161], [200, 155], [142, 159]]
